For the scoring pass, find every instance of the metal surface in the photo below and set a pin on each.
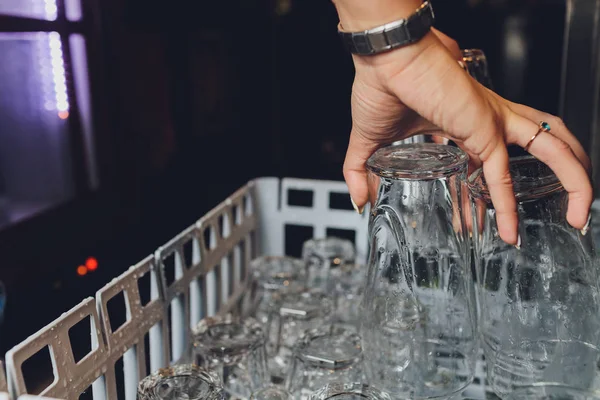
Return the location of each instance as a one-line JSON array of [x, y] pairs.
[[392, 35]]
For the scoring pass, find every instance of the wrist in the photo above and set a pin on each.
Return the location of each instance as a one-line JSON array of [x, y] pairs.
[[360, 15]]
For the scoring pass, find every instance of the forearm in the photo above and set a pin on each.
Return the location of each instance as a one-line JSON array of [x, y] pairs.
[[359, 15]]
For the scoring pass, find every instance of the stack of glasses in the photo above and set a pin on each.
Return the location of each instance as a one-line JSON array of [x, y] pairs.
[[409, 324]]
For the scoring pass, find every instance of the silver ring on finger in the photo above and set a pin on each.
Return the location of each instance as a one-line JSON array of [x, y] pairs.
[[542, 127]]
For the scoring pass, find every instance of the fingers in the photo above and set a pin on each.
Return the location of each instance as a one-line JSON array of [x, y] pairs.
[[558, 129], [499, 183], [558, 155], [355, 173]]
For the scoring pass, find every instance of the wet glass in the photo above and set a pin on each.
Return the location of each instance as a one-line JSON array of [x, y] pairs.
[[349, 391], [181, 382], [475, 63], [551, 392], [419, 326], [268, 275], [348, 282], [291, 315], [324, 356], [236, 349], [323, 255], [271, 393], [539, 303]]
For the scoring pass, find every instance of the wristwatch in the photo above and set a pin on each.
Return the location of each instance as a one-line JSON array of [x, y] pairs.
[[392, 35]]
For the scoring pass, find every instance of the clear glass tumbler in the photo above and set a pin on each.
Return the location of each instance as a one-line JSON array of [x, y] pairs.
[[540, 308], [349, 391], [419, 326], [268, 275], [475, 63], [323, 255], [234, 348], [348, 282], [180, 382], [291, 315], [271, 393], [324, 356], [551, 392]]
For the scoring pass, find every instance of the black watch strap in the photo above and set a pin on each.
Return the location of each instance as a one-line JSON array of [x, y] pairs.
[[392, 35]]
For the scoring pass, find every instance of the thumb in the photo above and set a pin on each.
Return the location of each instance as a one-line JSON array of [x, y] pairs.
[[355, 172]]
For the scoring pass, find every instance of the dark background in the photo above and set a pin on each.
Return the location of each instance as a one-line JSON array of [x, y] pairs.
[[192, 99]]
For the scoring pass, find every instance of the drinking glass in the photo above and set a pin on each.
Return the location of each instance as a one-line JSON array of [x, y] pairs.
[[348, 283], [184, 381], [323, 255], [268, 275], [324, 356], [539, 302], [349, 391], [235, 348], [551, 392], [271, 393], [475, 63], [419, 310], [290, 316]]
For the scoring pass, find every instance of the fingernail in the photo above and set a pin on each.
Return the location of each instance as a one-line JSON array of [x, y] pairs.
[[358, 210], [586, 228], [518, 245]]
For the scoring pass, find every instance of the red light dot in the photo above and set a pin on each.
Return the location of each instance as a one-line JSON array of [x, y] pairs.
[[81, 270], [91, 264], [63, 114]]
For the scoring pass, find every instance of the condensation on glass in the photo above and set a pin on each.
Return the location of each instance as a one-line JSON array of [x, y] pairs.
[[290, 315], [350, 391], [552, 392], [322, 356], [35, 150], [347, 286], [419, 310], [269, 275], [540, 310], [323, 255], [186, 381], [271, 393], [235, 349]]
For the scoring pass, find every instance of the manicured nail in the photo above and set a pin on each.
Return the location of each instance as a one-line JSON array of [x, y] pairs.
[[586, 228], [358, 210], [518, 245]]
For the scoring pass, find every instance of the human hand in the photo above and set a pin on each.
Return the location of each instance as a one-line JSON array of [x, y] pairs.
[[421, 86]]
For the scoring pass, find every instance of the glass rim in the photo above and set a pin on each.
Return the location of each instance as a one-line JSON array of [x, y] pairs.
[[325, 308], [323, 362], [363, 390], [473, 54], [147, 388], [525, 189], [280, 393], [387, 161], [202, 340], [322, 245], [270, 278]]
